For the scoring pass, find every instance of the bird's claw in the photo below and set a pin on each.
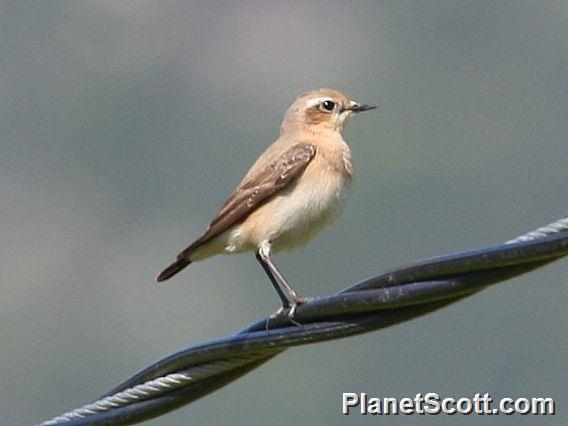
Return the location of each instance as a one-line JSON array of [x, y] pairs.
[[279, 312]]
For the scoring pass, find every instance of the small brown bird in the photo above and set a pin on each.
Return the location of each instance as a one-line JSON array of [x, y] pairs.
[[293, 190]]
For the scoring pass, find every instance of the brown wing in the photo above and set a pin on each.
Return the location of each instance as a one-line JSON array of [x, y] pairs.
[[257, 190]]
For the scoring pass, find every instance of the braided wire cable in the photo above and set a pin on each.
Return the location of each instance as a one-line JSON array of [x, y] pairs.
[[556, 227], [136, 393], [372, 304], [153, 388]]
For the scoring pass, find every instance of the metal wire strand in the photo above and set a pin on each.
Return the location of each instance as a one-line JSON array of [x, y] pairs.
[[556, 227], [153, 388], [375, 303], [142, 391]]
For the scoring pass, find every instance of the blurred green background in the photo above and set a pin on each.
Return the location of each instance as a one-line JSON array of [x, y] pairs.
[[115, 114]]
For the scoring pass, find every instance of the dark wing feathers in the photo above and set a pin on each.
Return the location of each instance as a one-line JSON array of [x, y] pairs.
[[251, 194], [257, 190]]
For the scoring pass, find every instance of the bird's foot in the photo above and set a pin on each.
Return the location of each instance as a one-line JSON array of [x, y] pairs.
[[286, 312], [279, 312], [292, 312], [293, 308], [289, 310]]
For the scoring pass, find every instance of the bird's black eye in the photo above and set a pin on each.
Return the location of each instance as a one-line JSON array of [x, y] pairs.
[[328, 105]]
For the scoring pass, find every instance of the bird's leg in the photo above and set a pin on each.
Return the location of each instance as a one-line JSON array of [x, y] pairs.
[[263, 256], [293, 293], [267, 270]]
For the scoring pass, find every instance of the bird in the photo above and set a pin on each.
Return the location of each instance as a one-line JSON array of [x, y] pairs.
[[297, 187]]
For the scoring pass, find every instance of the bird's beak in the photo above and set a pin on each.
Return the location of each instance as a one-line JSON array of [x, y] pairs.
[[360, 107]]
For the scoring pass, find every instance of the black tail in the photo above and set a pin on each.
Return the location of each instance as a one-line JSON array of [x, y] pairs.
[[173, 269]]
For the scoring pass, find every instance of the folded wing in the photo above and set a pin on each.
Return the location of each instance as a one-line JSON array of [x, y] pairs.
[[250, 195]]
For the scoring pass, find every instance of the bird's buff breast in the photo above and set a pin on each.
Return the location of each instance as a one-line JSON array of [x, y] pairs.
[[295, 216]]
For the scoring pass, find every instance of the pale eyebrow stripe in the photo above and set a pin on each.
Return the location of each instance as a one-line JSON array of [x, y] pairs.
[[317, 101]]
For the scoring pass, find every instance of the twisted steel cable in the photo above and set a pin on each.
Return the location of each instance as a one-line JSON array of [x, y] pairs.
[[372, 304], [154, 388]]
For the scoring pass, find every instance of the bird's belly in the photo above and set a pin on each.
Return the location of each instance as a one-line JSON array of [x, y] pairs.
[[296, 215]]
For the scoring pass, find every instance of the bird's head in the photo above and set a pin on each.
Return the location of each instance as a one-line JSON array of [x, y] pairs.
[[321, 109]]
